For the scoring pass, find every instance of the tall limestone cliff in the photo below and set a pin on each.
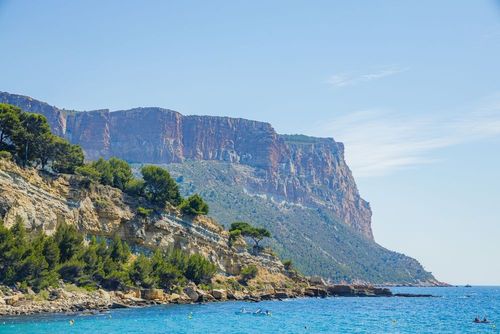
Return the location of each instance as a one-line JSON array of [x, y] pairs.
[[299, 187]]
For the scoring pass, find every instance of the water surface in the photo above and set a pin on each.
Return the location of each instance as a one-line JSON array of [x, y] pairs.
[[452, 312]]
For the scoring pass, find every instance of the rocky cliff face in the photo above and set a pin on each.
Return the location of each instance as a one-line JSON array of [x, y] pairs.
[[298, 187], [296, 169], [42, 201]]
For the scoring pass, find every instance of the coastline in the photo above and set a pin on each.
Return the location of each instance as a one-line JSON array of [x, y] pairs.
[[71, 300]]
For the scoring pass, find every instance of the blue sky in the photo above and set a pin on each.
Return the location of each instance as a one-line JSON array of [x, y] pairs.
[[411, 87]]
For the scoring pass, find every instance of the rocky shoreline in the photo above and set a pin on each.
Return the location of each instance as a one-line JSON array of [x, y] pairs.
[[61, 300]]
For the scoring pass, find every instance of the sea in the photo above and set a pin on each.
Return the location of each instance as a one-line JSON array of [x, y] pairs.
[[452, 310]]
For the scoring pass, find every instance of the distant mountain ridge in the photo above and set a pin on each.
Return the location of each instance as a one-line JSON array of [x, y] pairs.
[[294, 170]]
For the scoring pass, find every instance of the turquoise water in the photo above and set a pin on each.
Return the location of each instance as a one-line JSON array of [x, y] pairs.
[[452, 312]]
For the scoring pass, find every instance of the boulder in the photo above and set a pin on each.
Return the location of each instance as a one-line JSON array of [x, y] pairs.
[[235, 295], [179, 298], [341, 290], [116, 305], [382, 292], [219, 294], [316, 280], [12, 300], [315, 291], [153, 294], [192, 293], [104, 295], [133, 293], [281, 295], [60, 294]]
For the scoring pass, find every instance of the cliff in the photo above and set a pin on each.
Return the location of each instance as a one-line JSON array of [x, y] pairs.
[[44, 200], [298, 169], [298, 187]]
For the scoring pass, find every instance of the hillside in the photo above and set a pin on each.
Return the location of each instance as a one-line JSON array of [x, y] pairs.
[[299, 187]]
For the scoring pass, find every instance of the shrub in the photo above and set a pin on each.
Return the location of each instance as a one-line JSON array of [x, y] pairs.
[[144, 212], [135, 187], [193, 206], [288, 264], [88, 172], [5, 155], [100, 203], [249, 272]]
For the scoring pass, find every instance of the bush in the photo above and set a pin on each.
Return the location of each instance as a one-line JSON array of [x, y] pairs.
[[144, 212], [249, 272], [88, 172], [193, 206], [199, 269], [101, 203], [135, 187], [5, 155], [288, 264]]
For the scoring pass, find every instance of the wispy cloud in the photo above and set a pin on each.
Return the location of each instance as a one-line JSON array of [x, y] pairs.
[[351, 79], [379, 141]]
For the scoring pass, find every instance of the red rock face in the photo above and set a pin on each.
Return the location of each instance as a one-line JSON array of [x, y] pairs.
[[304, 170]]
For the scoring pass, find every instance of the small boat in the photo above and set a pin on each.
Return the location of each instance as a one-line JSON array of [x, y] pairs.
[[258, 312], [479, 321], [467, 286]]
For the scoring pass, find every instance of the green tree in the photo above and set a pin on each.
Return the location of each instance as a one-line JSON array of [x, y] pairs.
[[7, 245], [121, 171], [72, 271], [141, 272], [51, 251], [159, 187], [135, 187], [69, 241], [194, 205], [113, 172], [67, 157], [119, 250], [9, 125], [247, 230], [168, 269], [31, 138], [199, 269]]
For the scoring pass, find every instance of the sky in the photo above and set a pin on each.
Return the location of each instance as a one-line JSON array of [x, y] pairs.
[[411, 87]]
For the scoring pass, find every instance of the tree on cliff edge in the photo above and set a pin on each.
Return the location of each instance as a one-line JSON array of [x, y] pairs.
[[159, 187], [247, 230]]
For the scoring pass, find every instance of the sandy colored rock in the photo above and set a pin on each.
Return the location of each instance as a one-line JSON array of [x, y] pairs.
[[219, 294]]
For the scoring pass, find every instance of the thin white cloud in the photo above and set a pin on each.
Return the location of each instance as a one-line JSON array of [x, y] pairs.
[[378, 142], [351, 79]]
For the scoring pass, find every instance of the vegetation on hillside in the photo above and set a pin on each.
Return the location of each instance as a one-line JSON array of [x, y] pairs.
[[26, 138], [317, 243], [39, 261]]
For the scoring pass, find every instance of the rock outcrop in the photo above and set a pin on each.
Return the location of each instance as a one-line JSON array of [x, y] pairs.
[[43, 200]]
